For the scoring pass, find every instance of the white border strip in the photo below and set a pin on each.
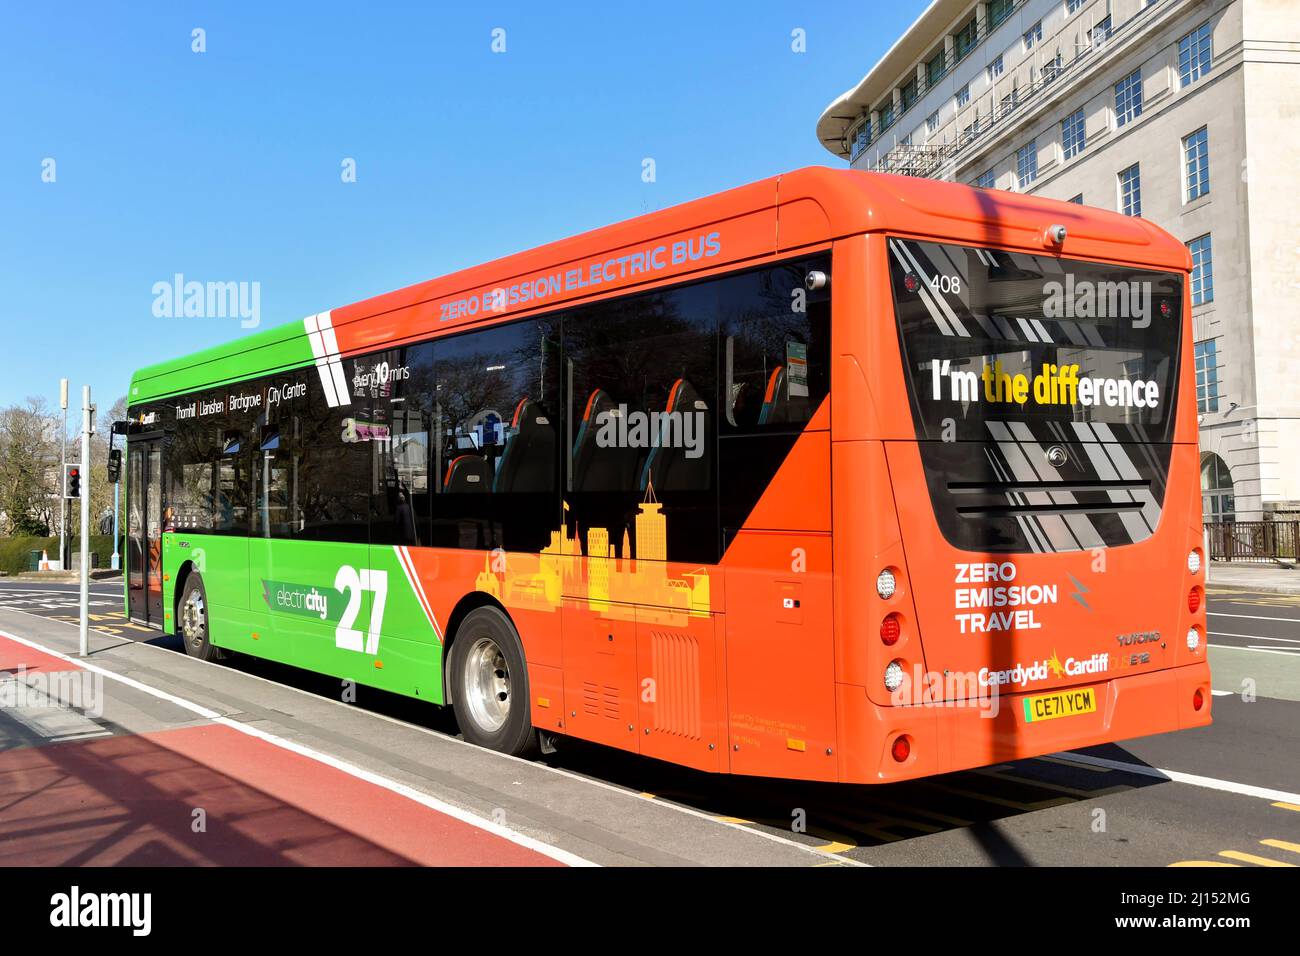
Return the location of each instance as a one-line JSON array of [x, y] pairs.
[[465, 816], [1177, 776]]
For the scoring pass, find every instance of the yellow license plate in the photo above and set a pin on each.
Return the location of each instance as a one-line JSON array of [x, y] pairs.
[[1066, 703]]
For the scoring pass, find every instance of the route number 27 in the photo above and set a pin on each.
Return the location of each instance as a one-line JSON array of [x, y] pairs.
[[353, 582]]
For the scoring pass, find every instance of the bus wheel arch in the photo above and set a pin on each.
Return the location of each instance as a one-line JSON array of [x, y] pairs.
[[178, 591], [470, 602], [485, 677]]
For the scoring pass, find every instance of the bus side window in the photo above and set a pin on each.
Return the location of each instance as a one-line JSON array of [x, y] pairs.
[[776, 348], [642, 400], [775, 360], [495, 438], [400, 409]]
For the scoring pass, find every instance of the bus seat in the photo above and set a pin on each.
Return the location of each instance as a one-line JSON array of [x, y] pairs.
[[597, 468], [468, 474], [779, 407], [669, 467], [528, 462]]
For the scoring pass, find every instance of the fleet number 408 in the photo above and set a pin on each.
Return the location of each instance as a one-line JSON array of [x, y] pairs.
[[353, 582]]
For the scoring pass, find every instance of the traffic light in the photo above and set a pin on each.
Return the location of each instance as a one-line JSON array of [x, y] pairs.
[[114, 465], [72, 481]]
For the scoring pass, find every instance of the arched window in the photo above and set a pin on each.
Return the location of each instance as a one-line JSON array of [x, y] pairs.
[[1217, 501]]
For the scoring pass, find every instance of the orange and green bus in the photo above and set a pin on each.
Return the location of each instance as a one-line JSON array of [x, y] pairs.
[[836, 476]]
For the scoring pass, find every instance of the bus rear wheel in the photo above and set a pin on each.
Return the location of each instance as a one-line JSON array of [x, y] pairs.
[[192, 620], [488, 681]]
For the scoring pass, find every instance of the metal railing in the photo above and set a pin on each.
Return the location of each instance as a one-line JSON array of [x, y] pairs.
[[1018, 101], [1259, 542]]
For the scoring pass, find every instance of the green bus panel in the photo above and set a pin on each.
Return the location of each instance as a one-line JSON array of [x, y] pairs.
[[347, 610]]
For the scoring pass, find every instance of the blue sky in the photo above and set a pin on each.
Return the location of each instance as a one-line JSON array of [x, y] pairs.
[[226, 165]]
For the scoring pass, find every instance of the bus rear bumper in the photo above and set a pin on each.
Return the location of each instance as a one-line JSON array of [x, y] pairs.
[[961, 735]]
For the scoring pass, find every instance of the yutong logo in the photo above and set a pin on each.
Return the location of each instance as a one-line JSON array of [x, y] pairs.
[[620, 428], [1140, 637]]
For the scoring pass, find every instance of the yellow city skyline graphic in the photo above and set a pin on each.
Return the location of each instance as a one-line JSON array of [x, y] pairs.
[[610, 585]]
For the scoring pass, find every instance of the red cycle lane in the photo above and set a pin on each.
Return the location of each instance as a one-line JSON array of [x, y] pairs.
[[208, 793]]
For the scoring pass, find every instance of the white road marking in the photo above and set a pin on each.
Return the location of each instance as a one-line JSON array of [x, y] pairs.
[[1223, 693], [1259, 650], [1256, 637], [1255, 617], [433, 803], [1177, 776]]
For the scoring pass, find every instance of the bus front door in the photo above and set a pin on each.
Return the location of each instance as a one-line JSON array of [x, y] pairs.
[[144, 532]]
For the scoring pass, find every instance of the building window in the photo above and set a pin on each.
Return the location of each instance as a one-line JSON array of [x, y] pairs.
[[1196, 162], [935, 68], [1207, 376], [985, 180], [966, 38], [932, 122], [909, 93], [1130, 191], [1072, 5], [1194, 55], [1027, 164], [1072, 134], [963, 96], [994, 69], [1100, 32], [886, 112], [1052, 68], [1078, 200], [999, 10], [1217, 499], [1033, 35], [1202, 270], [906, 140], [1009, 101], [1128, 98], [861, 140]]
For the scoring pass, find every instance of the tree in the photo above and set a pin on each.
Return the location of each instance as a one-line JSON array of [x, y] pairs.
[[29, 472]]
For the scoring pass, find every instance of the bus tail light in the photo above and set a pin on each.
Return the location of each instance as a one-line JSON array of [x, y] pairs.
[[1193, 638], [894, 676], [890, 629], [886, 585], [1194, 599], [1198, 699], [902, 748], [1194, 561]]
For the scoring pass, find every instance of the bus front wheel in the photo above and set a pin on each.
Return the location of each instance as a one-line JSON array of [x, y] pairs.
[[192, 620], [488, 680]]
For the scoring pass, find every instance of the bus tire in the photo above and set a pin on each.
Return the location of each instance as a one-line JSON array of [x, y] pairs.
[[488, 684], [192, 620]]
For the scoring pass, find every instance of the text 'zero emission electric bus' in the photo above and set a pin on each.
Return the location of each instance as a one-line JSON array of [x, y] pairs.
[[836, 476]]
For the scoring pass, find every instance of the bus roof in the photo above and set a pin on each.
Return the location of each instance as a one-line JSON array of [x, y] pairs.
[[779, 215]]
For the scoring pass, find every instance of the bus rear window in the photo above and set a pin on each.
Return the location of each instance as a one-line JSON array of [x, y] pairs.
[[990, 336]]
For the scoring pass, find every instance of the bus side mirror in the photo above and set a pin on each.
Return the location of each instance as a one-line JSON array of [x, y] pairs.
[[114, 465]]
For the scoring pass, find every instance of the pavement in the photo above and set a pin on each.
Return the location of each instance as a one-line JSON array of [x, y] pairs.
[[280, 767], [1269, 578]]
